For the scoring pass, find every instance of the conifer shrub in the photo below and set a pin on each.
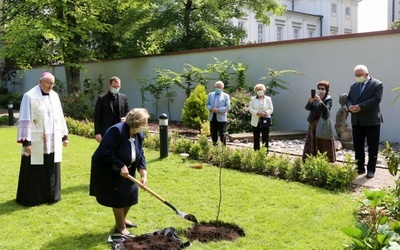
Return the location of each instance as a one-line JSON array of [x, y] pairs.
[[194, 111]]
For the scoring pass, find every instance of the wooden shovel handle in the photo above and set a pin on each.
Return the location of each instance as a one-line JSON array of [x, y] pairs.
[[130, 177]]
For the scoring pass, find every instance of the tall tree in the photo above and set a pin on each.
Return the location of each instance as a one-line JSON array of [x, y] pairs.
[[167, 25], [40, 33]]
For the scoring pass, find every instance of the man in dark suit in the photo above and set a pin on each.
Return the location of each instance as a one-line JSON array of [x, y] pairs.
[[110, 109], [363, 103]]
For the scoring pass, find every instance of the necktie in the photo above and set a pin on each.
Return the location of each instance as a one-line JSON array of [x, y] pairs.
[[361, 89]]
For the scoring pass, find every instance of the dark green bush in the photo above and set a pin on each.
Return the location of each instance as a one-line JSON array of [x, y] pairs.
[[239, 116], [4, 120], [14, 98], [78, 106]]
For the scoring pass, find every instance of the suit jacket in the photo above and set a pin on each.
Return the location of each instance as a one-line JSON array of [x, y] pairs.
[[322, 109], [370, 113], [223, 105], [104, 112], [253, 108], [113, 152]]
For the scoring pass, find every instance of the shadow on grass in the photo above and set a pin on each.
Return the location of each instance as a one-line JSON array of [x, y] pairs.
[[83, 241], [10, 207], [84, 188]]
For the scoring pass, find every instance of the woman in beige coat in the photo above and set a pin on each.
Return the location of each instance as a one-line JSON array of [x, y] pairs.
[[261, 109]]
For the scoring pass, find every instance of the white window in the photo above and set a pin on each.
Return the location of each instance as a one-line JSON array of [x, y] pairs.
[[260, 33], [241, 25], [279, 33], [348, 11], [333, 8], [310, 33], [296, 34]]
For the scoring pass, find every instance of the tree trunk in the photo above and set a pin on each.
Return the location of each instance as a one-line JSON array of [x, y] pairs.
[[73, 79]]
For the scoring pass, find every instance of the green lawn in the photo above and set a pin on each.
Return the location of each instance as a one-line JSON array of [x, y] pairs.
[[274, 214]]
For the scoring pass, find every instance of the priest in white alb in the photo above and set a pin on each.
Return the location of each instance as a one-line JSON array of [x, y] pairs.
[[42, 131]]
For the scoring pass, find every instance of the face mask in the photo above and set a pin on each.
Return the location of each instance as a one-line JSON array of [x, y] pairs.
[[140, 129], [260, 93], [360, 78], [321, 92], [218, 91], [115, 90]]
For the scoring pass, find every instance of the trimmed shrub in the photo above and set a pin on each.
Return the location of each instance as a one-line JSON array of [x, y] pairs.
[[194, 112]]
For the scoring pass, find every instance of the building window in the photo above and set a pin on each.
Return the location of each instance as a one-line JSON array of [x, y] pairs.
[[241, 25], [296, 33], [310, 33], [348, 11], [279, 33], [260, 33], [333, 8]]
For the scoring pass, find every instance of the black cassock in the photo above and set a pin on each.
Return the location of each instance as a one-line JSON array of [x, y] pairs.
[[38, 184]]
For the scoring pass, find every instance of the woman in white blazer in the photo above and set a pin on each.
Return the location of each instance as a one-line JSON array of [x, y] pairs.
[[260, 108]]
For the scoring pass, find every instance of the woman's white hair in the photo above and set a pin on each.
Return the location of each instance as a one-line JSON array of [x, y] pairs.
[[136, 116], [362, 67]]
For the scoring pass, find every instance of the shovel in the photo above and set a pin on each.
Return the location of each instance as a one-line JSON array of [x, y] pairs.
[[189, 217]]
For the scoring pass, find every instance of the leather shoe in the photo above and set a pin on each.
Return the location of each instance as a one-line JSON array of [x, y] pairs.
[[361, 172], [370, 175], [130, 225]]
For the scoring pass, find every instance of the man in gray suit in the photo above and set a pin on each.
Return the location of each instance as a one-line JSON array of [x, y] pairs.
[[363, 103], [218, 103]]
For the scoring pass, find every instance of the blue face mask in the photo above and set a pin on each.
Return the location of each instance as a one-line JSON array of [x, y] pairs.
[[218, 91], [114, 90]]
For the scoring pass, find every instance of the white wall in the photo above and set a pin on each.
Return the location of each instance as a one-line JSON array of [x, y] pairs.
[[328, 58]]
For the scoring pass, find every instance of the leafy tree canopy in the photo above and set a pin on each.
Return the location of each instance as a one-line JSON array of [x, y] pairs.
[[166, 25]]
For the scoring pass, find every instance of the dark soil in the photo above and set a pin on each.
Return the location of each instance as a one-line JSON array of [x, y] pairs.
[[152, 242], [174, 126], [211, 231]]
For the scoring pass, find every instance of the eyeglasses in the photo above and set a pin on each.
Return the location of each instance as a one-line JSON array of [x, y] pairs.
[[321, 89], [48, 83]]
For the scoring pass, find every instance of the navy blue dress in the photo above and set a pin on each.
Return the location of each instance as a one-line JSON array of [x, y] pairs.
[[114, 151]]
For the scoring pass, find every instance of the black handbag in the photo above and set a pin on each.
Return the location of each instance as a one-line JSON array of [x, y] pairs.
[[265, 122]]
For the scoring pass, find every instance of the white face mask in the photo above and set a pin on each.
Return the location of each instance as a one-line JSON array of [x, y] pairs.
[[260, 93], [360, 78], [321, 92], [115, 90]]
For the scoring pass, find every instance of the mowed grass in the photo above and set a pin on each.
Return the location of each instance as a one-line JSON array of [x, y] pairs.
[[274, 214]]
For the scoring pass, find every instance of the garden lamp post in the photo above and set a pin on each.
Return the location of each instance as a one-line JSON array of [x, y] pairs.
[[10, 113], [163, 122]]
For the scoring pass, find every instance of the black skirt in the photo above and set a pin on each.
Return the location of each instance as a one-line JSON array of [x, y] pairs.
[[38, 184]]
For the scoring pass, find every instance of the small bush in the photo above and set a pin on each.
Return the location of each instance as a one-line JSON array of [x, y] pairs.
[[316, 170], [14, 98], [78, 106], [239, 116], [194, 111], [294, 172], [83, 128], [4, 120]]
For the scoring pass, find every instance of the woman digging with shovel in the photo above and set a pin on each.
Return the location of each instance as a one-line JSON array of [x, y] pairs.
[[119, 155]]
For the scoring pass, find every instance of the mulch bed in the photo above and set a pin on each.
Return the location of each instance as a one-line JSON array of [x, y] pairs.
[[168, 240], [174, 126], [213, 231]]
